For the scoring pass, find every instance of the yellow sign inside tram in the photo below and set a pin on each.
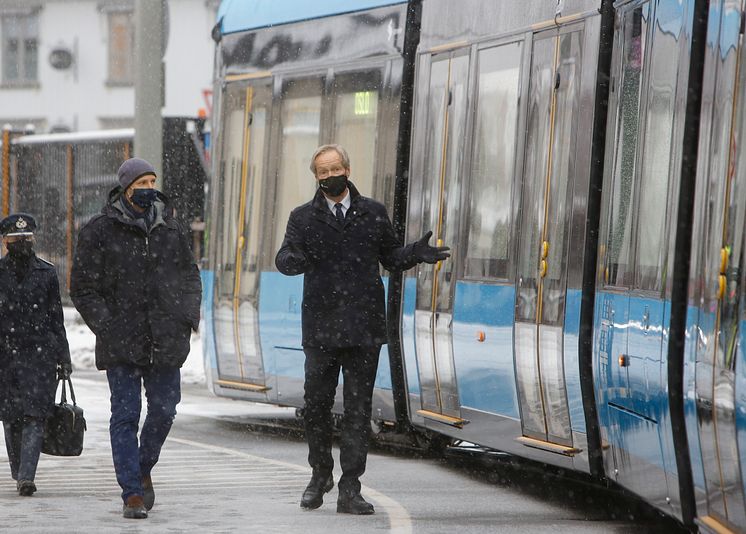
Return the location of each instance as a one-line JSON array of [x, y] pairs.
[[362, 102]]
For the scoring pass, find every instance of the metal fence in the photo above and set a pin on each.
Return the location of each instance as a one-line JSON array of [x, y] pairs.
[[64, 179]]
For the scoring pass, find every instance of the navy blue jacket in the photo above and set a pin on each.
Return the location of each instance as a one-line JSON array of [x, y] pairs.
[[32, 339], [137, 288], [343, 296]]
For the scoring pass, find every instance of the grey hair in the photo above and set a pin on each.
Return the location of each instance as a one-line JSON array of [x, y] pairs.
[[339, 149]]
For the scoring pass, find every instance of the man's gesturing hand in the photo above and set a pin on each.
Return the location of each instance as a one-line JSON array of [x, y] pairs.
[[424, 252]]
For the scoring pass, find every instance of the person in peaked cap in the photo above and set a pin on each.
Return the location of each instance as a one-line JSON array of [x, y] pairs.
[[33, 347], [137, 287], [18, 225]]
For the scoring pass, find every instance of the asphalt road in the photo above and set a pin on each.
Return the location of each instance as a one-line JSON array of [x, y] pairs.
[[220, 471]]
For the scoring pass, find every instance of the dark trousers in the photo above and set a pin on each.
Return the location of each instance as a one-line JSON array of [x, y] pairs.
[[359, 365], [23, 439], [133, 460]]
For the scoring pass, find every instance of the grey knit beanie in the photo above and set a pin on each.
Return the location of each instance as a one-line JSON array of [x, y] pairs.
[[132, 169]]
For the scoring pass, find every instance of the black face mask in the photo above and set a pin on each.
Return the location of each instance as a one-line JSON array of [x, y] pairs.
[[334, 185], [144, 198], [21, 249]]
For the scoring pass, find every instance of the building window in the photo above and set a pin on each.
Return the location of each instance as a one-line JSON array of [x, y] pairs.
[[20, 49], [121, 48]]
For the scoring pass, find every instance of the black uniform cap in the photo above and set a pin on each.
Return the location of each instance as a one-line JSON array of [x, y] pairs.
[[18, 224]]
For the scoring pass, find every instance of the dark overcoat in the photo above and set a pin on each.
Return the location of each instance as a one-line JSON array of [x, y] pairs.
[[343, 295], [137, 288], [32, 339]]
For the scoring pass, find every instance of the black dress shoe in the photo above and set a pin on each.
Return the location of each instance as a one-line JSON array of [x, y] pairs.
[[313, 496], [354, 504]]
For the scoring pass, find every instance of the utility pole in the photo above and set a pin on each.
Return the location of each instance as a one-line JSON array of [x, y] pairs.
[[5, 172], [150, 47]]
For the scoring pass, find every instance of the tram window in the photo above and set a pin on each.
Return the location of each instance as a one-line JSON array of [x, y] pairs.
[[493, 167], [418, 188], [433, 163], [301, 124], [657, 150], [618, 249], [355, 122], [231, 162], [255, 187]]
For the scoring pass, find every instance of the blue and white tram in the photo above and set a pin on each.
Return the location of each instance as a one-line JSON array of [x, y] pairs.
[[596, 333], [667, 354], [581, 158], [290, 76], [500, 169], [714, 363]]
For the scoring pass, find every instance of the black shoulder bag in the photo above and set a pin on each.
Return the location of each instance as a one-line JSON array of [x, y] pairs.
[[64, 428]]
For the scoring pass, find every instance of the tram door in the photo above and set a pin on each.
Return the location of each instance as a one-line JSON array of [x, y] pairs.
[[543, 242], [715, 371], [447, 101], [240, 363]]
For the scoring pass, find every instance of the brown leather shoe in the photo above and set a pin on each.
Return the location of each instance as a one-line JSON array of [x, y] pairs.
[[148, 495], [134, 508]]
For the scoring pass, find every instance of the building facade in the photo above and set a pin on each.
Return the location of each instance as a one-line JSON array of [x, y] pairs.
[[68, 65]]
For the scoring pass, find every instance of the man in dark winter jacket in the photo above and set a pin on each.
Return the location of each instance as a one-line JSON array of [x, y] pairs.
[[33, 347], [135, 283], [337, 241]]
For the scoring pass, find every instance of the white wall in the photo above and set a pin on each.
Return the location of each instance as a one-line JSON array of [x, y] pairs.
[[79, 100], [189, 56]]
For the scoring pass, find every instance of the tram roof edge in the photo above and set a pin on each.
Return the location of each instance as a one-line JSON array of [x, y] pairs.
[[243, 15]]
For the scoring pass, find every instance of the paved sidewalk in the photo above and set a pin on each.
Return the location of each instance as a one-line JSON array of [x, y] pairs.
[[200, 485]]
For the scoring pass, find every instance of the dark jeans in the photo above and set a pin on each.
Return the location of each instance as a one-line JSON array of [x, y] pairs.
[[23, 439], [359, 365], [132, 461]]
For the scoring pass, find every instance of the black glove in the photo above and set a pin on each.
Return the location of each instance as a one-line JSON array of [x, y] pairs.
[[297, 259], [428, 254], [64, 370]]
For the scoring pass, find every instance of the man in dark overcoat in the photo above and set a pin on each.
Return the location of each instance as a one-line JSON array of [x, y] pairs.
[[33, 347], [137, 287], [337, 241]]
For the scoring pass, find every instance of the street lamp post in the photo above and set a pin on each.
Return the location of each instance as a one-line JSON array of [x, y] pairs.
[[150, 47]]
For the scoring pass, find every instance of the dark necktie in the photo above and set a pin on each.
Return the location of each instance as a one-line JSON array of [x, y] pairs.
[[338, 211]]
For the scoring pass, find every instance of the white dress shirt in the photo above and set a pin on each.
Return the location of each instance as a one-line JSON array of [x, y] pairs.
[[346, 201]]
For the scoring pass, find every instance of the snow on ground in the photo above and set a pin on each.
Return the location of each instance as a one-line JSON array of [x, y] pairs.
[[83, 342]]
